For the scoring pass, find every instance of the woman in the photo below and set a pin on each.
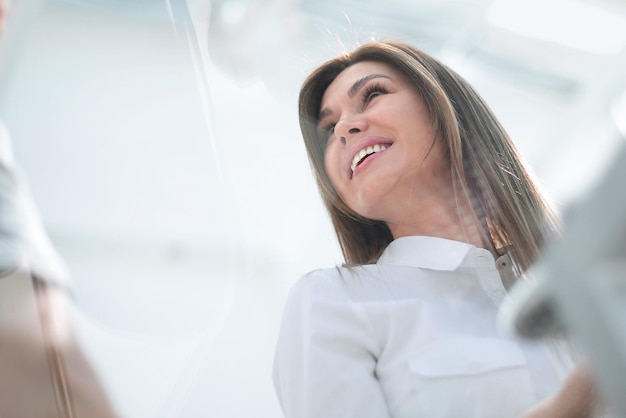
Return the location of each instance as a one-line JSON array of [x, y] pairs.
[[435, 214]]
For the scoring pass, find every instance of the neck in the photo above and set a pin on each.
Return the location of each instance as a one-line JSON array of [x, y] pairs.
[[441, 215]]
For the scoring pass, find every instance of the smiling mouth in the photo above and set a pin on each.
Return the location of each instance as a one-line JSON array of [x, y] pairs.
[[364, 153]]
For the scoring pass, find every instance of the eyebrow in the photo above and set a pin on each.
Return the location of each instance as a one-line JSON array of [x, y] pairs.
[[352, 91]]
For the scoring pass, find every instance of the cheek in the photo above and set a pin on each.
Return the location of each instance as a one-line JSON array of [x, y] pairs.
[[332, 163]]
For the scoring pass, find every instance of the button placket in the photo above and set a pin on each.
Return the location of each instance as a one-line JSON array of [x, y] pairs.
[[505, 267], [489, 276]]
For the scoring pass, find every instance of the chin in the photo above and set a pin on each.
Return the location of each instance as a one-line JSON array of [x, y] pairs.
[[371, 198], [369, 207]]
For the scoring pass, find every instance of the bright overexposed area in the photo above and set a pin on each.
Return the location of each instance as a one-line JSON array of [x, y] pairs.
[[160, 140]]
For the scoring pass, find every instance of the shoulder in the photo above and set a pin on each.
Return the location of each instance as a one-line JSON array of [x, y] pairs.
[[339, 285], [324, 302], [332, 275], [338, 279], [322, 283]]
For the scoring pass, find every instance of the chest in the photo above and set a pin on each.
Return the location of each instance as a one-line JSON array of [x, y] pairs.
[[440, 355]]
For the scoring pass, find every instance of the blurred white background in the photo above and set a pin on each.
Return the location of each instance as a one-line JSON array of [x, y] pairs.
[[161, 143]]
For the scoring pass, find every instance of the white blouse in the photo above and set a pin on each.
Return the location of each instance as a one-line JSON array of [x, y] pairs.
[[412, 336]]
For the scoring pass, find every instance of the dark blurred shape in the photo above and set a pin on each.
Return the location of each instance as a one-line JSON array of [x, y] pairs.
[[43, 372], [582, 285]]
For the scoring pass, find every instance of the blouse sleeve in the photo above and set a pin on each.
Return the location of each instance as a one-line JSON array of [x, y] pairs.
[[326, 354]]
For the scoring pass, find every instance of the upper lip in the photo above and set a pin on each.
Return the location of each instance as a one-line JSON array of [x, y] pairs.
[[356, 147]]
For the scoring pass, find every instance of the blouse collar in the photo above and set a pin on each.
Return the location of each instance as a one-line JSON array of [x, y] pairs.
[[432, 253]]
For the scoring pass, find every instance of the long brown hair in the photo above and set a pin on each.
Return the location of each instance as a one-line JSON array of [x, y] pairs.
[[485, 165]]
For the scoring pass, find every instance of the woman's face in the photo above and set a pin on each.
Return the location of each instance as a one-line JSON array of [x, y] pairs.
[[381, 155]]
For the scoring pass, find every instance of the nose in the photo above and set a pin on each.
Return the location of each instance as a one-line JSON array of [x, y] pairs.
[[347, 127]]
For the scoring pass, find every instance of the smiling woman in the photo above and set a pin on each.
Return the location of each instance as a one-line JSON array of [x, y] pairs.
[[437, 217], [444, 108], [382, 109]]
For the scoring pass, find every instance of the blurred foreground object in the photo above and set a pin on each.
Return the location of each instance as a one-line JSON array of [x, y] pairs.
[[582, 282], [26, 385], [22, 236], [43, 372]]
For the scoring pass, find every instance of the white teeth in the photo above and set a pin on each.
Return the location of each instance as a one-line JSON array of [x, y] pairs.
[[366, 151]]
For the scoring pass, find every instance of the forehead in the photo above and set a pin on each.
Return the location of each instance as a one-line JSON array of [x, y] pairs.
[[342, 83]]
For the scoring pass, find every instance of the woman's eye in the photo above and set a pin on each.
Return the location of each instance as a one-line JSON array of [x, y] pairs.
[[372, 95], [373, 91]]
